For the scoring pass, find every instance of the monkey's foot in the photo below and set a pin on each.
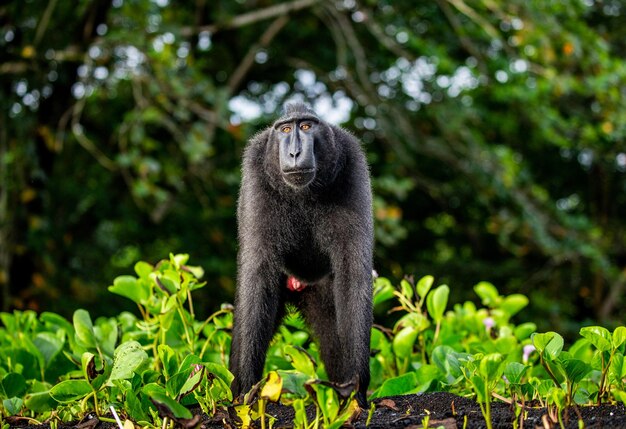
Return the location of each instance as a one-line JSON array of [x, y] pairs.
[[295, 285]]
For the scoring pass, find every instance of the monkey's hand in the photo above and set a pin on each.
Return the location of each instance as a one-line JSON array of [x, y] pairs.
[[295, 285]]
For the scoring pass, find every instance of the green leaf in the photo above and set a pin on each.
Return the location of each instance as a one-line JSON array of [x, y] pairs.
[[40, 402], [128, 357], [404, 340], [617, 369], [179, 384], [174, 384], [293, 382], [549, 345], [198, 273], [13, 384], [70, 390], [49, 345], [415, 320], [447, 360], [129, 287], [169, 280], [619, 336], [423, 286], [83, 326], [164, 402], [397, 386], [406, 289], [12, 405], [87, 365], [490, 366], [488, 294], [514, 372], [512, 304], [179, 259], [425, 376], [575, 369], [479, 388], [169, 360], [135, 407], [220, 371], [383, 290], [152, 389], [55, 322], [193, 380], [524, 330], [300, 361], [598, 336], [437, 301], [143, 269]]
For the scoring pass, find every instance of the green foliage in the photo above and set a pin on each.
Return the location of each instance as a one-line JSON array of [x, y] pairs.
[[153, 368], [150, 368]]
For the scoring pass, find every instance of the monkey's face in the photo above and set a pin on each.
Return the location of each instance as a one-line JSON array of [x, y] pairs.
[[296, 150]]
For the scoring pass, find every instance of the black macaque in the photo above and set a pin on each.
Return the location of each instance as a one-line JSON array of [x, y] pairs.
[[305, 237]]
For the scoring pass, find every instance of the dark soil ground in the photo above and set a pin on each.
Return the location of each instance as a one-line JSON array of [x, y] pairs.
[[410, 411]]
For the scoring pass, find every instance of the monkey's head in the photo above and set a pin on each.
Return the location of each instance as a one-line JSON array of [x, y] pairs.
[[305, 147]]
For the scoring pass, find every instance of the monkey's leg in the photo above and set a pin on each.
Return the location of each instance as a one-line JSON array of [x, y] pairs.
[[318, 308], [258, 306], [352, 288]]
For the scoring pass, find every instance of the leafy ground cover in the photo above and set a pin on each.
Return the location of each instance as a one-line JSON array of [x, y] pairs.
[[464, 366], [434, 410]]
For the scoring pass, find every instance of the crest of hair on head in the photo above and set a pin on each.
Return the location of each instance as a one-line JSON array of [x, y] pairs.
[[295, 108]]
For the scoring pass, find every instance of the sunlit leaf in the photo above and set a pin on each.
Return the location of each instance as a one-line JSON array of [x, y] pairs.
[[128, 357], [549, 344], [272, 388], [619, 336], [514, 372], [84, 328], [404, 340], [70, 390], [423, 286], [129, 287], [488, 294], [598, 336], [437, 301]]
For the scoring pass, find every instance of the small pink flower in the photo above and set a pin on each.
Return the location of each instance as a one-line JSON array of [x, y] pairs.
[[527, 350], [489, 323]]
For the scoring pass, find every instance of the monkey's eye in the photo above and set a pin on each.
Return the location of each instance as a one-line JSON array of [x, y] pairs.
[[305, 126], [286, 129]]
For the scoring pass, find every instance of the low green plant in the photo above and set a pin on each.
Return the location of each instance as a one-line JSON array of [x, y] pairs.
[[608, 357], [483, 373], [151, 368]]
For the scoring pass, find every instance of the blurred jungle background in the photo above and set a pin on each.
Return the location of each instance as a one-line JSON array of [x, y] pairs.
[[495, 130]]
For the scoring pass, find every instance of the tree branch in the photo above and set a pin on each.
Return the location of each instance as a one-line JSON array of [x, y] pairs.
[[44, 21], [251, 17], [242, 69]]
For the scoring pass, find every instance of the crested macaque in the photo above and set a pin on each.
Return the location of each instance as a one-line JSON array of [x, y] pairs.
[[305, 237]]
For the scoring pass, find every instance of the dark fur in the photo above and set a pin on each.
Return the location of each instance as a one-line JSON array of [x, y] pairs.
[[323, 235]]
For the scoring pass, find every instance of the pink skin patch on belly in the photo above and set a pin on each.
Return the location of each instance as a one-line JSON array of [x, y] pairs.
[[295, 285]]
